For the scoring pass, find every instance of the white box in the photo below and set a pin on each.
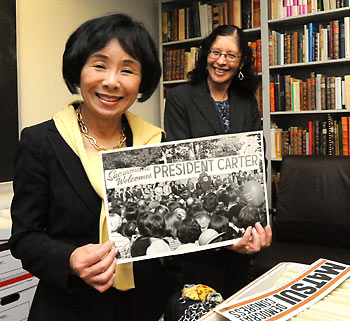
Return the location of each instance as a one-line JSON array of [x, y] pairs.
[[5, 227], [262, 283], [8, 264], [12, 274], [16, 306]]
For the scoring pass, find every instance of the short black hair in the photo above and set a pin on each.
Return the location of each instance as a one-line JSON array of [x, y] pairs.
[[250, 82], [188, 231], [152, 225], [95, 34]]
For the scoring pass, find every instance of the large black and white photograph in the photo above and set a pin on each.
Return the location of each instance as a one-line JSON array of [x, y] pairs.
[[184, 196]]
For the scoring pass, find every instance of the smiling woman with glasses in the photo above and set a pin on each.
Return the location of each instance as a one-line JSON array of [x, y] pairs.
[[218, 99]]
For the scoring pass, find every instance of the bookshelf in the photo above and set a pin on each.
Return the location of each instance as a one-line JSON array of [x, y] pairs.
[[271, 22], [323, 62]]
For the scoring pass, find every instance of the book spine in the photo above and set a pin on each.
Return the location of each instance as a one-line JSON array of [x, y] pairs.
[[323, 92], [278, 143], [324, 138], [341, 39], [345, 135], [256, 14], [258, 55], [272, 97], [311, 133], [311, 51], [317, 137], [313, 90], [328, 92], [287, 92], [336, 39]]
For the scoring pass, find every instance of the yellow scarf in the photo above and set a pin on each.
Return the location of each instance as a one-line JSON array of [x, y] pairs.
[[143, 133]]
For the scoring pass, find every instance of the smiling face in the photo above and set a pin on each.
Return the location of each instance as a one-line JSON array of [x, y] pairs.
[[109, 82], [221, 71]]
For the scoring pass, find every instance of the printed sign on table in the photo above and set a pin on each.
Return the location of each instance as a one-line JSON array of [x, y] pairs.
[[287, 300]]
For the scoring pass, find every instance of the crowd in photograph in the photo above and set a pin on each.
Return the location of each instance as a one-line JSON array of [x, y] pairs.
[[181, 215]]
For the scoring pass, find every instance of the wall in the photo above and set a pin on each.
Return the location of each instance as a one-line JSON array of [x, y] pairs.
[[42, 29]]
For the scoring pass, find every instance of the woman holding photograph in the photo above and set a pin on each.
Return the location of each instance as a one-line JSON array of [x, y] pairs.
[[219, 99], [59, 226]]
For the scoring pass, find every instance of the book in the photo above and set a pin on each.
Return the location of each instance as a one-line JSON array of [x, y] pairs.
[[340, 137], [341, 39], [311, 42], [174, 24], [203, 18], [273, 142], [215, 16], [194, 21], [231, 12], [272, 97], [331, 39], [210, 18], [237, 18], [324, 138], [347, 37], [313, 90], [338, 90], [165, 26], [295, 92], [323, 92], [256, 14], [309, 94], [287, 92], [258, 55], [311, 137], [303, 96], [278, 142], [285, 142], [347, 91], [246, 14], [299, 150], [336, 137], [336, 39], [328, 93], [345, 135], [293, 140], [330, 136], [181, 24], [317, 139], [294, 47], [279, 93]]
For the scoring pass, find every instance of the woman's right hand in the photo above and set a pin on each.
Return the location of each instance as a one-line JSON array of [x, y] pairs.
[[95, 264]]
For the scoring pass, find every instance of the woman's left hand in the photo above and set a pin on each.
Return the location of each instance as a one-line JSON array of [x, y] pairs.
[[254, 239]]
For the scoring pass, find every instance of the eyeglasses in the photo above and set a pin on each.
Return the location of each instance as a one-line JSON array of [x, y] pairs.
[[216, 54]]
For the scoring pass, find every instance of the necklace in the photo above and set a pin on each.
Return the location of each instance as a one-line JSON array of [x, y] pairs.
[[92, 140]]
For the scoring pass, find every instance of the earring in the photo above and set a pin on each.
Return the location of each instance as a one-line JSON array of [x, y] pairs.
[[240, 75]]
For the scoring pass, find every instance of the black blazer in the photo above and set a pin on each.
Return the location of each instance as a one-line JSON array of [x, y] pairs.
[[55, 210], [190, 113]]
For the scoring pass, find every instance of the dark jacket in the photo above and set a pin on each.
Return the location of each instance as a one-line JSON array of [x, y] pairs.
[[55, 210], [190, 113]]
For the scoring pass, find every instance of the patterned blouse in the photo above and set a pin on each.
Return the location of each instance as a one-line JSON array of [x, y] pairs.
[[223, 110]]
